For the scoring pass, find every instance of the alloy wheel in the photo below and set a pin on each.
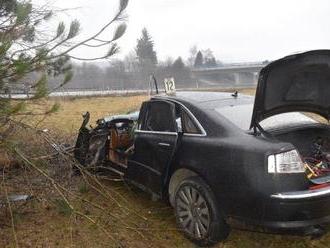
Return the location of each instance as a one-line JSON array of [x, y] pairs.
[[193, 212]]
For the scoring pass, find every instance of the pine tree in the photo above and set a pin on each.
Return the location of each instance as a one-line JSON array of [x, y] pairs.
[[30, 55], [209, 59], [178, 64], [145, 52], [192, 55], [180, 72], [210, 62], [199, 60]]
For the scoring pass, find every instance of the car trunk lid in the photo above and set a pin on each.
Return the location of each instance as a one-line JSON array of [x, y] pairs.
[[299, 82]]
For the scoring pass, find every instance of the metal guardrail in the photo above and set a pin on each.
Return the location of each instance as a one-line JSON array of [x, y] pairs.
[[231, 67], [78, 93]]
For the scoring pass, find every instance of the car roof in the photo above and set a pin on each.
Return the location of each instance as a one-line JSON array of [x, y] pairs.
[[208, 100]]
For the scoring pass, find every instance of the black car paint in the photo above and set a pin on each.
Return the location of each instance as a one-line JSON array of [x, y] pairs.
[[150, 160], [153, 155], [231, 161], [235, 170], [298, 82]]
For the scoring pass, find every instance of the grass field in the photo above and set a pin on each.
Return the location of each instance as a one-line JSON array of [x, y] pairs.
[[41, 225], [69, 117]]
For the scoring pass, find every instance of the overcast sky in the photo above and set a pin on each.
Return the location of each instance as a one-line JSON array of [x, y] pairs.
[[235, 30]]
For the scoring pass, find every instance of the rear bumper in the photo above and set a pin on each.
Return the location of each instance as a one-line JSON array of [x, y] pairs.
[[291, 225], [304, 194], [297, 209]]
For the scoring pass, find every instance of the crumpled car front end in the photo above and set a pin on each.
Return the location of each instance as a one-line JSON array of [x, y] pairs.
[[91, 142], [93, 145]]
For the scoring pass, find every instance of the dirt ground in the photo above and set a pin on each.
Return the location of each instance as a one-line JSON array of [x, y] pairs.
[[125, 216]]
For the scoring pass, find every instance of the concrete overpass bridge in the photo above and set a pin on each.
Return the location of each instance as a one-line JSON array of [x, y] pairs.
[[242, 74]]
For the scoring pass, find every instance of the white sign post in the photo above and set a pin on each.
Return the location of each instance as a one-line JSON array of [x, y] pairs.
[[169, 86]]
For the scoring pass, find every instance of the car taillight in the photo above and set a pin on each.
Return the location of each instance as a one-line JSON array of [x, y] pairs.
[[286, 162]]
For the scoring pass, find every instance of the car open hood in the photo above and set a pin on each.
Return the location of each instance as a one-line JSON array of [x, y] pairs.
[[299, 82]]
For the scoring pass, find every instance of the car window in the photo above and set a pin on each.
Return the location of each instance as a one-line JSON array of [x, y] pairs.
[[159, 117], [178, 119], [189, 125], [184, 121]]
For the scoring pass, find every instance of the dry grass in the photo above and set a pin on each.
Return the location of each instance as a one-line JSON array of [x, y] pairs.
[[246, 91], [69, 116], [40, 225]]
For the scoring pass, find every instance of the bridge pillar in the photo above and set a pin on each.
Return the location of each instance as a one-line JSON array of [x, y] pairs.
[[195, 79], [255, 77], [237, 78]]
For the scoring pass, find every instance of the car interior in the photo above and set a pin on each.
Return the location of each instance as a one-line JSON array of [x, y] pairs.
[[121, 132], [121, 141]]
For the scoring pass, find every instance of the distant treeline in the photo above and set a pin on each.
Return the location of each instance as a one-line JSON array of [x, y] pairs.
[[119, 75], [134, 70]]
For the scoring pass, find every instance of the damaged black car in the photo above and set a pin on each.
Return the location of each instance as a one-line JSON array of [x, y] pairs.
[[261, 160]]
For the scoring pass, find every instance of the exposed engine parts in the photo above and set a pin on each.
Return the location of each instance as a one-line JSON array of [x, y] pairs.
[[318, 163]]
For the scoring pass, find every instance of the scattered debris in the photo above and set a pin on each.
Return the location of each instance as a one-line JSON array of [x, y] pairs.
[[14, 198]]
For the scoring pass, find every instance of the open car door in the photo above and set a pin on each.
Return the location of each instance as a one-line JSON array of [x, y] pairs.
[[154, 145]]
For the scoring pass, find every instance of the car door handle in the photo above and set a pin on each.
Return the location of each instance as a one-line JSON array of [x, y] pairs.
[[164, 144]]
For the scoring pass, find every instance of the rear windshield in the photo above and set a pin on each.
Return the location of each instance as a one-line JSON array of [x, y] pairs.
[[241, 116]]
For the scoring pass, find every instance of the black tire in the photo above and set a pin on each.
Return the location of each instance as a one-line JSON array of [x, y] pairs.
[[197, 213]]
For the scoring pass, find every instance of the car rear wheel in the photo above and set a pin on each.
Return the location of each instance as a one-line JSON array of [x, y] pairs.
[[197, 213]]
